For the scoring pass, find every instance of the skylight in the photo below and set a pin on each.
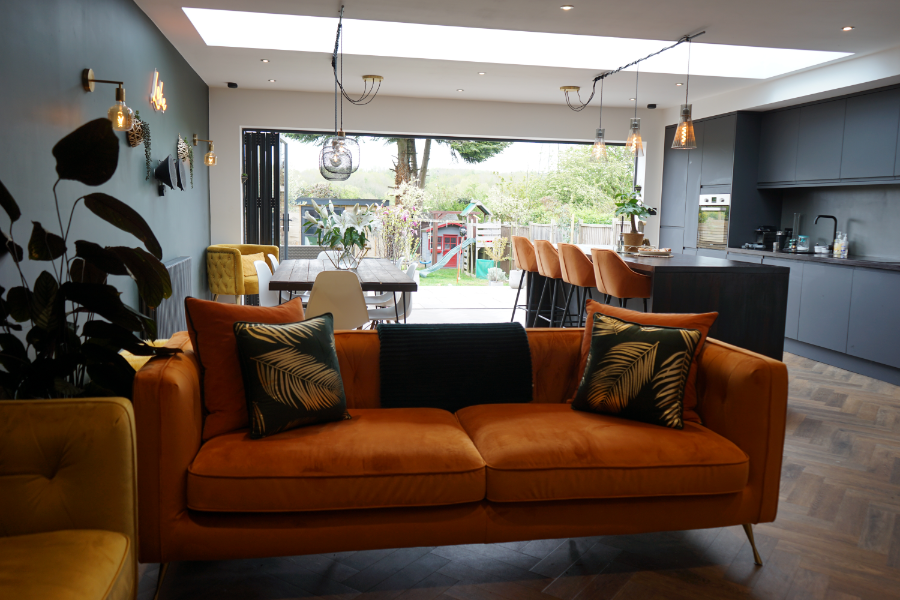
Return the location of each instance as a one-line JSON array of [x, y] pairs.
[[237, 29]]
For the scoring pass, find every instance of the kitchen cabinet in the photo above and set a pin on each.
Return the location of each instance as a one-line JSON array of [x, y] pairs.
[[750, 258], [692, 197], [870, 135], [711, 253], [825, 305], [718, 151], [874, 318], [690, 251], [820, 141], [674, 183], [672, 237], [795, 285], [779, 135]]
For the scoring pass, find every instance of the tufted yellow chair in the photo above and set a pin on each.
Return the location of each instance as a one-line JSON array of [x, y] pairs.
[[68, 499], [226, 273]]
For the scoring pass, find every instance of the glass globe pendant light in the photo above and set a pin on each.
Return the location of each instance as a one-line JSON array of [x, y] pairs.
[[120, 115], [684, 134], [598, 150]]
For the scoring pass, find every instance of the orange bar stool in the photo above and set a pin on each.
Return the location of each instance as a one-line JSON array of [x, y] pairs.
[[548, 266], [619, 279], [526, 260], [578, 272]]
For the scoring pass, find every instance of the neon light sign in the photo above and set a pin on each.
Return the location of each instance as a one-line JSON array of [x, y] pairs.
[[157, 100]]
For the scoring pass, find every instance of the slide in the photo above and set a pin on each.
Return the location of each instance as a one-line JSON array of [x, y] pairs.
[[446, 258]]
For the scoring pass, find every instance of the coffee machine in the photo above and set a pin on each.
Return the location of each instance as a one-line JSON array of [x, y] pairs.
[[783, 237], [765, 237]]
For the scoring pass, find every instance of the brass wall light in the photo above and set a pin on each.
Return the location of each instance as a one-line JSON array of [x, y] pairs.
[[121, 116], [209, 159]]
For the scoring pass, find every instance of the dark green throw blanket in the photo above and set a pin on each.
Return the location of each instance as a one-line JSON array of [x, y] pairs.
[[454, 366]]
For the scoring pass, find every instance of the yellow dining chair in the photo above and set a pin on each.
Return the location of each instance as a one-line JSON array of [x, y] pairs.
[[230, 270]]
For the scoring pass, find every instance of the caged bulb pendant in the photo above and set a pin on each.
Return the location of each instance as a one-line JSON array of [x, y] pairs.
[[684, 135], [634, 142], [598, 150], [339, 157]]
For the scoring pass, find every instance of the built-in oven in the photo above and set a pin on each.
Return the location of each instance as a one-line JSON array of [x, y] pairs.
[[712, 228]]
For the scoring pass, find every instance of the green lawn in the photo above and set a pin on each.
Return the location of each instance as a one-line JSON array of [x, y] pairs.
[[448, 277]]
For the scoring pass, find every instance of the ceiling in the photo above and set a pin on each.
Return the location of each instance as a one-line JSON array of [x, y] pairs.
[[797, 24]]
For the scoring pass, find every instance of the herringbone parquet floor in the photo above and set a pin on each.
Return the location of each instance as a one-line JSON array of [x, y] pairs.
[[837, 536]]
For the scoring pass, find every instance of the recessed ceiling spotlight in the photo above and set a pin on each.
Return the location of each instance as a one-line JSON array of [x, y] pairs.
[[567, 7], [679, 84], [481, 72], [460, 90], [264, 60], [271, 81], [848, 28], [631, 99]]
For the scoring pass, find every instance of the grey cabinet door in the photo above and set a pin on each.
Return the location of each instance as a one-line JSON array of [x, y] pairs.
[[674, 183], [711, 253], [672, 237], [691, 251], [820, 141], [692, 200], [795, 285], [870, 135], [778, 137], [874, 319], [718, 151], [750, 258], [825, 305]]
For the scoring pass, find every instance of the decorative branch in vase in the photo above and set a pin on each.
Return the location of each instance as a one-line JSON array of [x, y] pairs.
[[348, 234]]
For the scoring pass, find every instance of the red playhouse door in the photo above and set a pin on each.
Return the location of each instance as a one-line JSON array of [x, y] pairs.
[[450, 243]]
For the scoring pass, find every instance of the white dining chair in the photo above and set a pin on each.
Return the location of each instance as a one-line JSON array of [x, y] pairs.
[[338, 293], [393, 313], [304, 295], [387, 298], [266, 296]]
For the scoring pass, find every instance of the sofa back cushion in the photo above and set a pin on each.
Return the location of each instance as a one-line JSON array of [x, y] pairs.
[[211, 328], [554, 363]]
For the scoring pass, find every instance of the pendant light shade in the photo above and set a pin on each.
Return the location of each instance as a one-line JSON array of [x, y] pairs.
[[634, 143], [684, 135], [339, 157], [122, 117], [598, 151]]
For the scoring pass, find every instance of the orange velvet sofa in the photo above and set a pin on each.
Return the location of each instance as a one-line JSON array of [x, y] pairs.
[[393, 478]]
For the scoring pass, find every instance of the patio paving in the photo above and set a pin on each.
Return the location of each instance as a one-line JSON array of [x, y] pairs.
[[452, 304]]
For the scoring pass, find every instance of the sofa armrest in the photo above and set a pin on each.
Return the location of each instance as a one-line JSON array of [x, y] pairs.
[[743, 397], [167, 409], [224, 270]]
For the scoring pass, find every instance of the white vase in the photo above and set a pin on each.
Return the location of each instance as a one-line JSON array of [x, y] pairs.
[[515, 279]]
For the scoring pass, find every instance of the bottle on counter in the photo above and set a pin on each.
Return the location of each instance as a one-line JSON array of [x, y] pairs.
[[836, 249], [845, 246]]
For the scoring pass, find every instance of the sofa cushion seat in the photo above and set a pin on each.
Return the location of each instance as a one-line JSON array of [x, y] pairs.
[[380, 458], [75, 564], [536, 452]]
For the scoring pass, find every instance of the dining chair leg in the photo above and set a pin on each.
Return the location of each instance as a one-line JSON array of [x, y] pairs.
[[537, 309], [607, 298], [405, 307], [215, 297], [516, 303], [396, 308], [645, 304], [553, 304], [566, 306]]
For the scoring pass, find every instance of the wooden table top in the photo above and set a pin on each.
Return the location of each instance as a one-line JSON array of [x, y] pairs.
[[375, 275]]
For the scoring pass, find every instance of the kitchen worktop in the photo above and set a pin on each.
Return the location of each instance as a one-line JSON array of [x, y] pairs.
[[889, 264], [684, 263]]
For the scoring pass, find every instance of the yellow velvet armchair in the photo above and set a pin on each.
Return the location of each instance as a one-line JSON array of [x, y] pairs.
[[225, 270], [68, 499]]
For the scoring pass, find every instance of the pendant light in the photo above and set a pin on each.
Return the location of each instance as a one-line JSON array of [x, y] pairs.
[[634, 142], [598, 151], [684, 135]]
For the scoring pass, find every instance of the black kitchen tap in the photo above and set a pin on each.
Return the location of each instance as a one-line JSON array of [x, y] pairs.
[[833, 231]]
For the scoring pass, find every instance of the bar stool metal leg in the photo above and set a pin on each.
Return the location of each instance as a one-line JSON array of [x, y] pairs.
[[645, 304], [516, 303], [566, 306], [553, 304], [537, 309]]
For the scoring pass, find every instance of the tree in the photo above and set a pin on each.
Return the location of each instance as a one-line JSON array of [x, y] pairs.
[[406, 167]]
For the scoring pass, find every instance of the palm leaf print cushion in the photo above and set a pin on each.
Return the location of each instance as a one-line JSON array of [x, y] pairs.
[[291, 374], [637, 372]]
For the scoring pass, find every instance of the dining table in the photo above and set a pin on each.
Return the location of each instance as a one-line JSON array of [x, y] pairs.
[[375, 275]]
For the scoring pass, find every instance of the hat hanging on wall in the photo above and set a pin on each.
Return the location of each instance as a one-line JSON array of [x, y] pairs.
[[166, 174], [181, 175]]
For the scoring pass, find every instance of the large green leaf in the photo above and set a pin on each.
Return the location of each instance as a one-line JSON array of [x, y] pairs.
[[125, 218], [104, 300], [48, 313], [8, 204], [44, 245], [151, 276], [100, 257], [14, 357], [7, 246], [90, 154], [19, 301], [82, 271]]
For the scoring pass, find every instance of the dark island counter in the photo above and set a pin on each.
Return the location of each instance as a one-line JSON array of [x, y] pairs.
[[751, 299]]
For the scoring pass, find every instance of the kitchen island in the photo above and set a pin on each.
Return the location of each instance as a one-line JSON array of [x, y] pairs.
[[751, 299]]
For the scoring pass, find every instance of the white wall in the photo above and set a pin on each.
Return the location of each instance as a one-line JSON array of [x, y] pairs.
[[233, 110]]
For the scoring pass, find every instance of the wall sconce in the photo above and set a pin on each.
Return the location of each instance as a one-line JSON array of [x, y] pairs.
[[209, 159], [121, 116]]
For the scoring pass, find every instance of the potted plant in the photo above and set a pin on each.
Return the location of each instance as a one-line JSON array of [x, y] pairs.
[[78, 323], [497, 252], [631, 205], [348, 234]]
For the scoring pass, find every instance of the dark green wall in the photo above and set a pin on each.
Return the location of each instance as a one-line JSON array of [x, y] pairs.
[[44, 45]]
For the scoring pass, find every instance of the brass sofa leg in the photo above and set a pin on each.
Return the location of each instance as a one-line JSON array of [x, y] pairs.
[[215, 297], [163, 567], [748, 529]]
